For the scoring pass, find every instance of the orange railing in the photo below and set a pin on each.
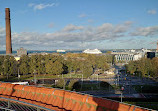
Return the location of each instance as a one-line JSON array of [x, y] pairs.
[[57, 99]]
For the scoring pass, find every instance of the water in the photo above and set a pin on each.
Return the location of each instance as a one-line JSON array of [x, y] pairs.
[[29, 52]]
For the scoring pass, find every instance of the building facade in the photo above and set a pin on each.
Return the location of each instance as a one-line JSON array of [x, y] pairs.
[[21, 52], [126, 57]]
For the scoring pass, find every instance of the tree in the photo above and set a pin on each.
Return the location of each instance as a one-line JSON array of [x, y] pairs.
[[92, 60], [61, 83], [49, 67], [24, 64], [154, 62], [87, 68], [41, 64], [1, 65], [33, 64], [131, 67], [13, 66], [141, 66], [69, 64], [71, 84], [6, 65], [9, 66], [55, 68], [76, 66]]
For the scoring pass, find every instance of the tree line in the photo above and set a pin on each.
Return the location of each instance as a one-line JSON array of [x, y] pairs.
[[144, 67], [53, 64]]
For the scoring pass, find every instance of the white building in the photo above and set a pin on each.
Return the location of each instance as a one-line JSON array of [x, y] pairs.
[[94, 51], [125, 56]]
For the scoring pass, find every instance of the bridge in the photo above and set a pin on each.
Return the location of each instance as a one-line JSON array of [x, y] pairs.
[[14, 97]]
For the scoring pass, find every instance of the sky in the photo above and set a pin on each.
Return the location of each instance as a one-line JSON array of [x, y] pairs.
[[80, 24]]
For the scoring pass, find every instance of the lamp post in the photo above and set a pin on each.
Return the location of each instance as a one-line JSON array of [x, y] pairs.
[[122, 89]]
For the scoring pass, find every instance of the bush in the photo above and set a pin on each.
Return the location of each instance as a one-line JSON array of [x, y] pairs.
[[61, 83], [71, 84]]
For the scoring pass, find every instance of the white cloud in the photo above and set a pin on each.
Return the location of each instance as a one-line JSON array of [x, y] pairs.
[[2, 38], [145, 31], [41, 6], [75, 37], [152, 11]]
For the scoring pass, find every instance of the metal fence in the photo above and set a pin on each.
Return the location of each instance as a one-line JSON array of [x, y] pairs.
[[7, 104]]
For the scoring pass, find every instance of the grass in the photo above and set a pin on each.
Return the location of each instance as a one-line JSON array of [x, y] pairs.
[[13, 78], [41, 76], [50, 76]]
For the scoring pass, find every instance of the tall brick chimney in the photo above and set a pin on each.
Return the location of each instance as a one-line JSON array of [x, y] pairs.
[[157, 47], [8, 31]]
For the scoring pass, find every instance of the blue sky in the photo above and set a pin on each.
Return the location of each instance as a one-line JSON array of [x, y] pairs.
[[81, 24]]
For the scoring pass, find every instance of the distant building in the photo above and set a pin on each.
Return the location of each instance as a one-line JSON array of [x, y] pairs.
[[94, 51], [150, 55], [21, 52], [126, 56]]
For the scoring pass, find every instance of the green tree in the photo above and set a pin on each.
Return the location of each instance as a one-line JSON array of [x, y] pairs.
[[71, 84], [6, 65], [9, 66], [55, 68], [24, 64], [76, 66], [61, 83], [41, 64], [49, 67], [33, 64], [154, 62], [1, 65], [69, 64], [87, 68], [13, 66], [92, 60]]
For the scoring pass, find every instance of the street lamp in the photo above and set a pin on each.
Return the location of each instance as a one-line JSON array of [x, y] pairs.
[[122, 88]]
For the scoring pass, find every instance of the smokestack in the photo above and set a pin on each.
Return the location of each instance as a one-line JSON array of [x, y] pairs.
[[157, 47], [8, 31]]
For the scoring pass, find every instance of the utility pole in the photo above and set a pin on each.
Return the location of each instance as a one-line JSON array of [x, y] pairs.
[[122, 88]]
